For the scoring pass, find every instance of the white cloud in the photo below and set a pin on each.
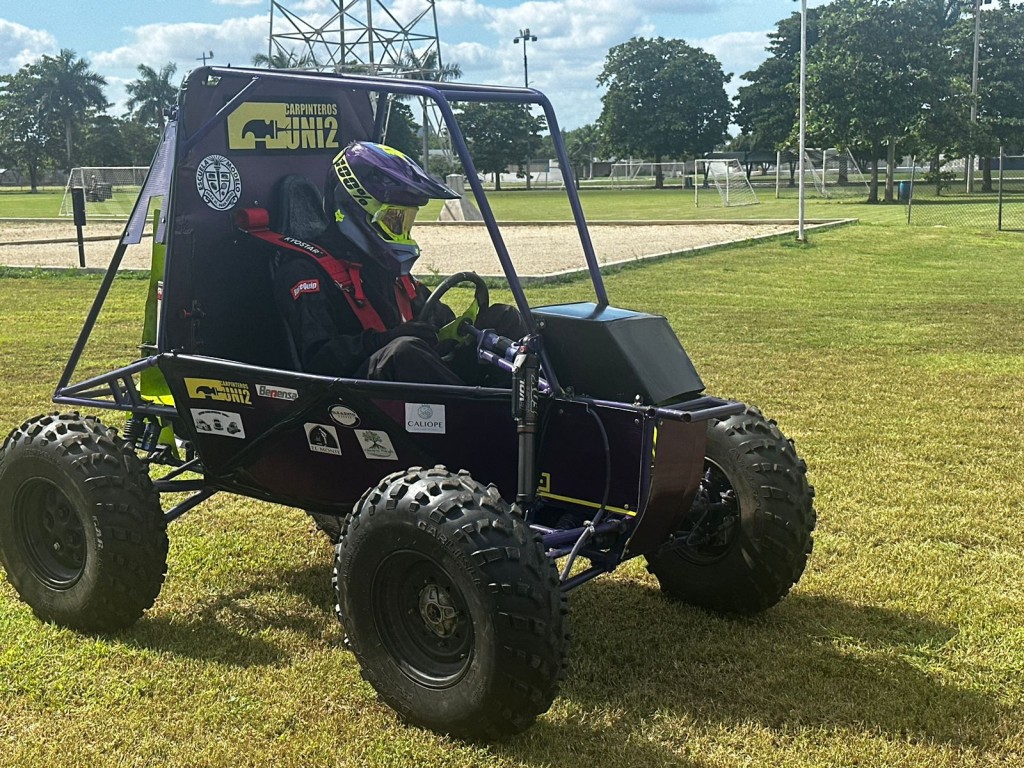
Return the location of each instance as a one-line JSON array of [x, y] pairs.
[[574, 37], [739, 52], [20, 45], [233, 41]]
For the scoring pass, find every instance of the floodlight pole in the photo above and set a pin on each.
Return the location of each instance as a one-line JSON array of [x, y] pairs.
[[803, 119], [524, 36]]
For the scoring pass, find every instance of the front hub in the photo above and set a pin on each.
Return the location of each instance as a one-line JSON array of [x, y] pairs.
[[437, 611]]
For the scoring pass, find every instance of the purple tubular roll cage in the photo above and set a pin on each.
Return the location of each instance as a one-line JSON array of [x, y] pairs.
[[116, 390]]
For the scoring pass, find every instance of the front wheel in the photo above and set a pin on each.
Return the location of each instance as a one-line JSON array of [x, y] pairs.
[[450, 605], [82, 535], [747, 539]]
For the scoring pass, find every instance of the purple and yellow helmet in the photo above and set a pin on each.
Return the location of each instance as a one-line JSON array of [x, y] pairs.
[[379, 192]]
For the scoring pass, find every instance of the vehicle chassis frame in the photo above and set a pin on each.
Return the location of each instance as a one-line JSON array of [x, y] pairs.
[[606, 539]]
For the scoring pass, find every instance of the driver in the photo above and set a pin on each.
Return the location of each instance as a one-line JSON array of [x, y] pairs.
[[356, 313]]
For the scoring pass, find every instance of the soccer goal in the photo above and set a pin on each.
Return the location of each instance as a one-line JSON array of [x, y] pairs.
[[110, 193], [727, 177], [639, 173], [834, 173]]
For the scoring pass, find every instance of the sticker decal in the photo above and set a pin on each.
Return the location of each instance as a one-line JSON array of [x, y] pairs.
[[342, 414], [283, 126], [216, 389], [218, 182], [424, 417], [305, 286], [276, 393], [224, 423], [322, 438], [376, 445]]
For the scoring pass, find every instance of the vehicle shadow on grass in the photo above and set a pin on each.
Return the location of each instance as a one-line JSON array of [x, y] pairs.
[[231, 628], [812, 661]]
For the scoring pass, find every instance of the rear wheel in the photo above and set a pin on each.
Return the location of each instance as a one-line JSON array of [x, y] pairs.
[[747, 540], [450, 605], [82, 535]]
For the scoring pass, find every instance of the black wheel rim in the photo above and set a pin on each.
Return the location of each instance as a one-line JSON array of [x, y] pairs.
[[716, 529], [51, 533], [422, 619]]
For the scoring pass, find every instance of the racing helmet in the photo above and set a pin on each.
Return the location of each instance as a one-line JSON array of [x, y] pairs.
[[378, 194]]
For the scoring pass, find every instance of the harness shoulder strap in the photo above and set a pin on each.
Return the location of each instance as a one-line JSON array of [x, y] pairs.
[[405, 292], [345, 274]]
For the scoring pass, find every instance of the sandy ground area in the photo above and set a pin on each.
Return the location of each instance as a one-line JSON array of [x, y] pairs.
[[536, 249]]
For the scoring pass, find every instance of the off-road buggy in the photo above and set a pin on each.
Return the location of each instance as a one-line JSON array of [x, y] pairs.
[[462, 515]]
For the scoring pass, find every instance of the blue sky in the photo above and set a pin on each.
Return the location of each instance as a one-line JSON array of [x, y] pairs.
[[573, 36]]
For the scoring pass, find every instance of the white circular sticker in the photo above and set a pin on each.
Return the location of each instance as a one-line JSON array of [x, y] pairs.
[[218, 182], [346, 417]]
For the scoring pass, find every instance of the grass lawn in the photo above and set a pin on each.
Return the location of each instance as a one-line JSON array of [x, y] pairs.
[[552, 205], [891, 354]]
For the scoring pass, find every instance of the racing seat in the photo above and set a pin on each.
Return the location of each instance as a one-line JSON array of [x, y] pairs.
[[298, 210], [298, 213], [300, 224]]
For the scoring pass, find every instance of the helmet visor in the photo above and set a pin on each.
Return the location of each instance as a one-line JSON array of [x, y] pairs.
[[395, 222]]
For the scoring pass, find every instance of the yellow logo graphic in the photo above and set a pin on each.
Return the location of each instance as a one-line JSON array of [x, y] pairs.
[[215, 389], [287, 126]]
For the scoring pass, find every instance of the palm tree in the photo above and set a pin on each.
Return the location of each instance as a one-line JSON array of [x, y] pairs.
[[428, 67], [151, 94], [281, 59], [67, 88]]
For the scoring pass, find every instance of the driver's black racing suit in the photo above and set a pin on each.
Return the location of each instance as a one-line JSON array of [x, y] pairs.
[[331, 339]]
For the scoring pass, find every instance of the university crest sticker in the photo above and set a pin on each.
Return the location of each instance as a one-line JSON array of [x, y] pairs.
[[218, 182]]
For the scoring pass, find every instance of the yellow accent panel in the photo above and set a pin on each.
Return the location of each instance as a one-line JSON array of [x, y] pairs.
[[286, 126], [585, 503], [215, 389]]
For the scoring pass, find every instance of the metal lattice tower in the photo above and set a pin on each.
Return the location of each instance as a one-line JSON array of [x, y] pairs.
[[364, 37], [358, 36]]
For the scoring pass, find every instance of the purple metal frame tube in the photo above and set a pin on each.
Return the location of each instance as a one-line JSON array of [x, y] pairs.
[[559, 538]]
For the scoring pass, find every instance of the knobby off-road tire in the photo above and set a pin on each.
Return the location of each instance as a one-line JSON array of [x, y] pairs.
[[753, 471], [82, 535], [450, 605]]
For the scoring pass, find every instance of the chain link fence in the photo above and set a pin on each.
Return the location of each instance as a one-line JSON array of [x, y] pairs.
[[985, 193]]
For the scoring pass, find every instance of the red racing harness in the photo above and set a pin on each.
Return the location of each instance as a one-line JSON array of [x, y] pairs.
[[345, 274]]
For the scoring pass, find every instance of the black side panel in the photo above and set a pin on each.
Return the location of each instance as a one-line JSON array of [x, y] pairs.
[[617, 354]]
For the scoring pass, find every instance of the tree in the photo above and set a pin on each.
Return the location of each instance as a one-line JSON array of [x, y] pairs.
[[25, 141], [102, 142], [767, 109], [402, 129], [876, 66], [500, 135], [67, 90], [151, 94], [581, 146], [1000, 109], [665, 99], [428, 67], [282, 59]]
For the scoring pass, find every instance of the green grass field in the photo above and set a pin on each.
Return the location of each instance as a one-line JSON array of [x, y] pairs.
[[552, 205], [892, 356]]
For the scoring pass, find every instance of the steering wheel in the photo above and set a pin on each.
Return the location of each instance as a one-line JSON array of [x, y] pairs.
[[451, 336], [482, 296]]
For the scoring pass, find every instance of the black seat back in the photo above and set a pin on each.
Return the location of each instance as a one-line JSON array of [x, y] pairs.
[[298, 209]]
